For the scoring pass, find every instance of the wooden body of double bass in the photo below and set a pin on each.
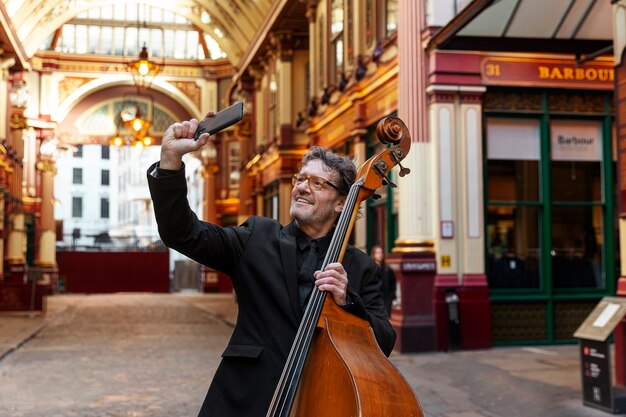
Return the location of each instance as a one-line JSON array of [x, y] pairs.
[[347, 375]]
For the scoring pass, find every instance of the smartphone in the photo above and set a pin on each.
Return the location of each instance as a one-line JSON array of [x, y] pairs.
[[220, 120]]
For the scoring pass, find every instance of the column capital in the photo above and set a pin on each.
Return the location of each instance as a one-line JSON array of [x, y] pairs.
[[311, 7], [17, 121], [210, 170], [47, 165]]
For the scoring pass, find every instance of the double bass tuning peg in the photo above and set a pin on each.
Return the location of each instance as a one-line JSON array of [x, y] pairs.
[[389, 182], [376, 196], [404, 171]]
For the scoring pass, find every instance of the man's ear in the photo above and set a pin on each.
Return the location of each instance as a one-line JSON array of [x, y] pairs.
[[339, 205]]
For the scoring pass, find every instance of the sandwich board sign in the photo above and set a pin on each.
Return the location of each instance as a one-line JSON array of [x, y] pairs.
[[595, 355]]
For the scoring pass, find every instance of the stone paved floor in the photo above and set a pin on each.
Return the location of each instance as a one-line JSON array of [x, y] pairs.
[[135, 355]]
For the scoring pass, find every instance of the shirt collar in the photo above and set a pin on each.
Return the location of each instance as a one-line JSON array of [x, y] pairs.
[[303, 240]]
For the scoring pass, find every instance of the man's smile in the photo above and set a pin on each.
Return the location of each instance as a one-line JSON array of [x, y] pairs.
[[303, 201]]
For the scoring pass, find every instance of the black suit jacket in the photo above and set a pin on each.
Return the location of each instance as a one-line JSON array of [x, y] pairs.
[[260, 258]]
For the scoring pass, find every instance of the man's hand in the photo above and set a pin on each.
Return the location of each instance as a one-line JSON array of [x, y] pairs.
[[333, 279], [178, 140]]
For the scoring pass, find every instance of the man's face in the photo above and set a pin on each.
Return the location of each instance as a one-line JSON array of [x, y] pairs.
[[316, 208]]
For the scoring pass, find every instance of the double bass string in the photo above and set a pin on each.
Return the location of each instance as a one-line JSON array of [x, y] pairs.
[[288, 384]]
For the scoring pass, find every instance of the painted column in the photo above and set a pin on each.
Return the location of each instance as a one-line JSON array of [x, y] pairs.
[[619, 47], [360, 227], [209, 173], [443, 119], [210, 277], [474, 302], [46, 253], [413, 258], [16, 242], [5, 162], [244, 132]]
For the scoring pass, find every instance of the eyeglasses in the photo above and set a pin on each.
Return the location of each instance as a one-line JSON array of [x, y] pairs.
[[315, 183]]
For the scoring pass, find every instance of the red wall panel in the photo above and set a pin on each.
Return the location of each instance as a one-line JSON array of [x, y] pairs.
[[105, 272]]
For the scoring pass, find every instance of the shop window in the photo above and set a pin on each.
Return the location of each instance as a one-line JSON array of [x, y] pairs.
[[576, 155], [513, 193], [513, 247], [513, 151], [577, 214], [576, 247]]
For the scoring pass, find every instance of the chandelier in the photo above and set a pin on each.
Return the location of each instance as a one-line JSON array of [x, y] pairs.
[[142, 69], [135, 124]]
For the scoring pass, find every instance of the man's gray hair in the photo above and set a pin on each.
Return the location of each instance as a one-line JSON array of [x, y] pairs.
[[343, 165]]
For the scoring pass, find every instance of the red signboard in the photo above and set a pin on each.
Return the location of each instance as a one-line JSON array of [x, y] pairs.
[[535, 72]]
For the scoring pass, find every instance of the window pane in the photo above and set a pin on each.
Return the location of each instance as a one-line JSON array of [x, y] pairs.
[[575, 140], [181, 38], [513, 139], [77, 176], [156, 43], [104, 177], [104, 208], [118, 34], [169, 42], [119, 12], [94, 39], [513, 180], [513, 238], [77, 207], [107, 41], [81, 39], [156, 14], [107, 12], [105, 152], [576, 153], [68, 39], [576, 181], [577, 247], [144, 38], [336, 16], [131, 42], [391, 19], [192, 43]]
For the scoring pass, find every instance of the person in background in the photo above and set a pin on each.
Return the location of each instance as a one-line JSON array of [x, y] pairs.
[[387, 276]]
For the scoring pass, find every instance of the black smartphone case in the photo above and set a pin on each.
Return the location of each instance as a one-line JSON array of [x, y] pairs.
[[220, 120]]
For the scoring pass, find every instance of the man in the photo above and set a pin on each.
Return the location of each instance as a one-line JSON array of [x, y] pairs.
[[270, 267]]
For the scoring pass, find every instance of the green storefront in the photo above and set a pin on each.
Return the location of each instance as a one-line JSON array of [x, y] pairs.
[[549, 180]]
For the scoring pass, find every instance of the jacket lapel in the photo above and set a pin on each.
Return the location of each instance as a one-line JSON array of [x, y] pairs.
[[288, 254]]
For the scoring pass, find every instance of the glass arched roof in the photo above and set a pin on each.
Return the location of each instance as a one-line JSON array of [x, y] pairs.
[[223, 27], [122, 29]]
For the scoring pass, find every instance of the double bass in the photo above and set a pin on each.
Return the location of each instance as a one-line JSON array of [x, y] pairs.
[[335, 367]]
